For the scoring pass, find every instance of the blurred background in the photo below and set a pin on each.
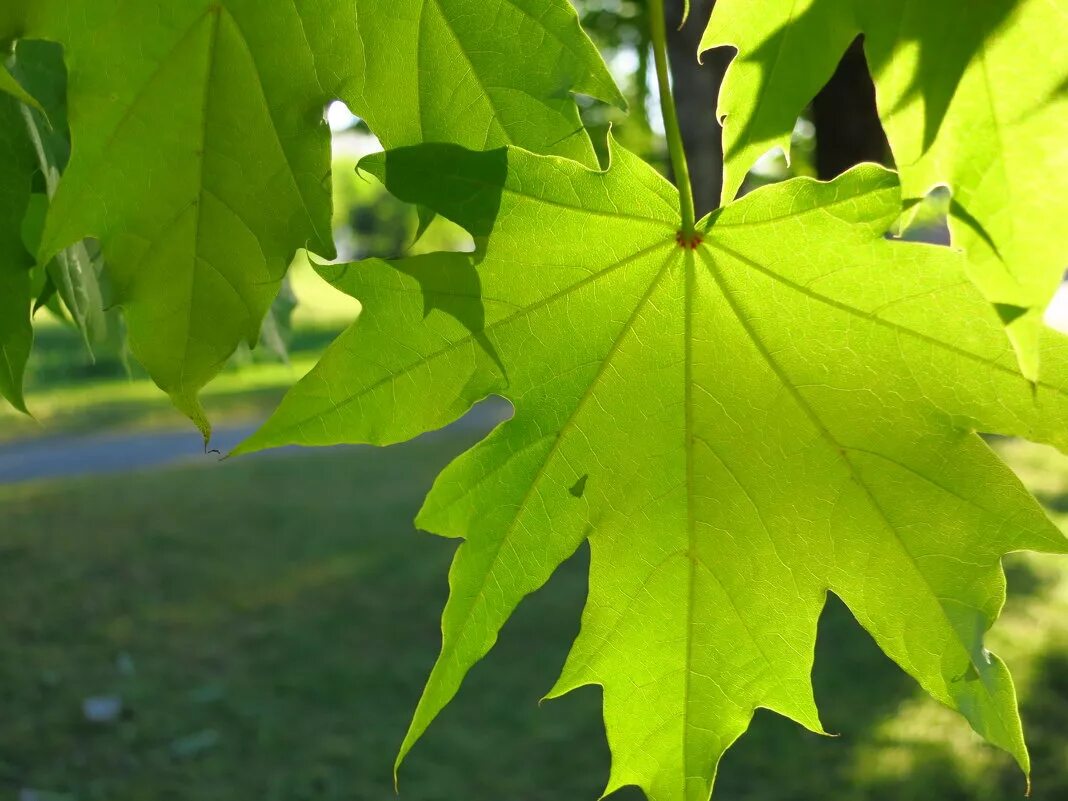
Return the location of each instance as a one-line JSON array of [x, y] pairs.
[[176, 627]]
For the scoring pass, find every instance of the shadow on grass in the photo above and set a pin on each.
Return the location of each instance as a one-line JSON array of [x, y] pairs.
[[268, 625]]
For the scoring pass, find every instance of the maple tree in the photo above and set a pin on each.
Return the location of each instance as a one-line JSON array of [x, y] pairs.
[[739, 414]]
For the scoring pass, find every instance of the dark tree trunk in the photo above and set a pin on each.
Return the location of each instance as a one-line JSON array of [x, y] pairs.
[[848, 130], [696, 88]]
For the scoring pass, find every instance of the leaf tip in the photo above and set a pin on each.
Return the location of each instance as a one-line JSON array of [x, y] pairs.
[[189, 404], [685, 14], [253, 443], [1024, 327], [17, 399], [373, 165], [410, 739]]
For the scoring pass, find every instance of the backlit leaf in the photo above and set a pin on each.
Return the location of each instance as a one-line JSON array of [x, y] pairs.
[[736, 424]]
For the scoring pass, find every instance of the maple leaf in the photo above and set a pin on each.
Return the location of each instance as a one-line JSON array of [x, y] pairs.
[[964, 103], [739, 421], [446, 71]]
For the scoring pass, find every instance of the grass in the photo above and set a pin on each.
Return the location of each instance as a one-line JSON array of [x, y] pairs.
[[268, 624], [278, 615]]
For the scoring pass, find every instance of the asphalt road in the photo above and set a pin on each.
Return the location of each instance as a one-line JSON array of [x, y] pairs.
[[65, 456]]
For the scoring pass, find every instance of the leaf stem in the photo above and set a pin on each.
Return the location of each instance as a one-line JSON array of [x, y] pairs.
[[658, 31]]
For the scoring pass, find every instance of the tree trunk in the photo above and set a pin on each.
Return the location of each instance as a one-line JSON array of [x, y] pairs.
[[848, 130], [696, 89]]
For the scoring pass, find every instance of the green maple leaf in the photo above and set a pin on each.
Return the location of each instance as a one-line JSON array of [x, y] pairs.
[[736, 425], [477, 73], [17, 167], [965, 103]]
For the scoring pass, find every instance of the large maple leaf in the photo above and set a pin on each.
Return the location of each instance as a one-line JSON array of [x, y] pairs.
[[966, 102], [783, 405]]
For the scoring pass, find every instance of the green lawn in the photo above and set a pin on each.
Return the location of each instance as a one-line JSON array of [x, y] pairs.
[[268, 624]]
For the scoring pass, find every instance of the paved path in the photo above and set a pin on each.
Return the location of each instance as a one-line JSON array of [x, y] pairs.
[[73, 455]]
